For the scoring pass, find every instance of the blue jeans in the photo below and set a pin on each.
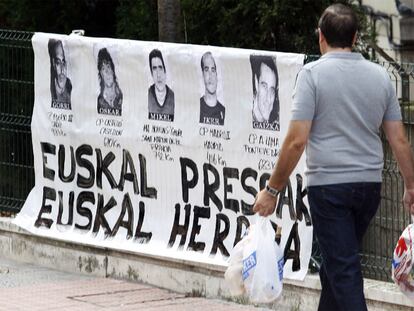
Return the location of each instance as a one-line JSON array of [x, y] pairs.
[[341, 214]]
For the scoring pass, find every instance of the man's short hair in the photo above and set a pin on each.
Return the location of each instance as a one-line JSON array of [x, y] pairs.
[[256, 62], [155, 53], [204, 56], [338, 24]]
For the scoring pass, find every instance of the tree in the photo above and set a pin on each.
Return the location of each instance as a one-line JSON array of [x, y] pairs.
[[283, 25], [169, 21], [279, 25], [96, 17], [137, 19]]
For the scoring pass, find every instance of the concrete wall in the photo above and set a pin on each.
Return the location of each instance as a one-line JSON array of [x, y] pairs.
[[181, 276]]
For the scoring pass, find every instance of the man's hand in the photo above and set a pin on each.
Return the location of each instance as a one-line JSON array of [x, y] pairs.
[[408, 200], [265, 203], [290, 153]]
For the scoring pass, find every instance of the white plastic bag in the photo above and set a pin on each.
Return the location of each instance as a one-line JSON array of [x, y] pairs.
[[262, 271], [402, 263], [233, 274]]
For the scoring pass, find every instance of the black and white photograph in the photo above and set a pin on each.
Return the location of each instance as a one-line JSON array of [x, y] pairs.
[[211, 110], [60, 84], [161, 101], [265, 82], [110, 96]]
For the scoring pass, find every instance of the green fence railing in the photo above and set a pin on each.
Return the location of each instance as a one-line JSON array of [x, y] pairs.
[[16, 156]]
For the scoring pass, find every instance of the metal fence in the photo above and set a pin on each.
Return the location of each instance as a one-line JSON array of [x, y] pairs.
[[391, 218], [385, 229], [16, 156], [16, 105]]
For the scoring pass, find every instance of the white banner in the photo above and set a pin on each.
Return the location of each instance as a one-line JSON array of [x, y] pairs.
[[160, 148]]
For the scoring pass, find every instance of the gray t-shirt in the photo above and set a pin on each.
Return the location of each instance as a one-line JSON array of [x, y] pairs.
[[347, 98]]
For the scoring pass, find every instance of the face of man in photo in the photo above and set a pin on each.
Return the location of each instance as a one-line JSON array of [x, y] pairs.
[[210, 74], [107, 74], [158, 74], [266, 91], [59, 64]]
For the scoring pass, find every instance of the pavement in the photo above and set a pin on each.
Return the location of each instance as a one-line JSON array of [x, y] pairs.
[[27, 287]]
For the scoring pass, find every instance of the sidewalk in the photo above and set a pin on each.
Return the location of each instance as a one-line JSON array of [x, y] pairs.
[[26, 287]]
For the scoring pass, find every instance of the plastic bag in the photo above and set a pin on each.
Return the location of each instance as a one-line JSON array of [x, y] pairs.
[[402, 263], [256, 264], [233, 274]]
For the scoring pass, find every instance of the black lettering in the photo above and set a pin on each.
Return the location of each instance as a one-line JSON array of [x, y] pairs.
[[229, 172], [220, 236], [110, 111], [293, 254], [61, 160], [147, 192], [85, 196], [199, 212], [178, 229], [47, 148], [161, 116], [132, 176], [70, 210], [286, 200], [102, 167], [100, 219], [142, 237], [211, 188], [85, 182], [187, 184], [300, 206], [263, 179], [129, 223], [247, 209], [48, 194], [241, 221], [278, 231], [265, 125]]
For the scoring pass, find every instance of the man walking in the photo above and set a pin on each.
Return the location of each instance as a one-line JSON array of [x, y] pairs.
[[339, 104]]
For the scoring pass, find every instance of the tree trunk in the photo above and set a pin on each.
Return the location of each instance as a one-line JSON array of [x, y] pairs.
[[169, 21]]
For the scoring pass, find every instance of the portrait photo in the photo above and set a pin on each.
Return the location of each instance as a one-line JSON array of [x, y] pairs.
[[60, 84], [110, 95], [265, 83], [161, 101], [211, 110]]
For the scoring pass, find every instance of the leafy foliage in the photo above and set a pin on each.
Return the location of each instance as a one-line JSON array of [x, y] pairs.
[[283, 25], [280, 25], [137, 19], [96, 17]]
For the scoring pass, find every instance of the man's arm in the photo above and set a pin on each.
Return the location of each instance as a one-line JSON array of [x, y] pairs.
[[394, 130], [292, 149]]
